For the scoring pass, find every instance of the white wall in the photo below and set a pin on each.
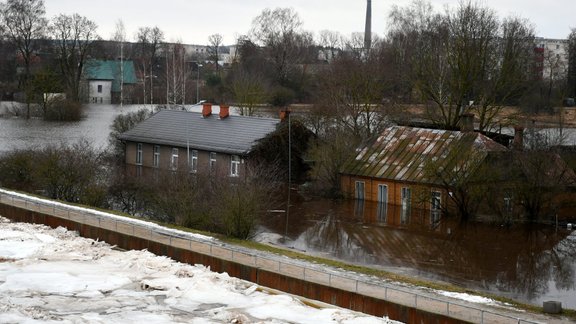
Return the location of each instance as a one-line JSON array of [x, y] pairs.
[[104, 97]]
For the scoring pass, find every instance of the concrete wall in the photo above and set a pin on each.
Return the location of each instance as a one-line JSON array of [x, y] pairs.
[[103, 97]]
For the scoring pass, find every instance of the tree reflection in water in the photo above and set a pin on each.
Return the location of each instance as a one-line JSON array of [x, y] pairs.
[[529, 263]]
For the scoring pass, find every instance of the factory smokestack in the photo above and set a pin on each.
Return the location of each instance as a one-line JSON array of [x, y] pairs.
[[368, 27]]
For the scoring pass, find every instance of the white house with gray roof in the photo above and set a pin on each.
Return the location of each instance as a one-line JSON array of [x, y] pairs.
[[193, 141]]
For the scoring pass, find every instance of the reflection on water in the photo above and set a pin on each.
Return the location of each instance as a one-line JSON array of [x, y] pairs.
[[527, 263]]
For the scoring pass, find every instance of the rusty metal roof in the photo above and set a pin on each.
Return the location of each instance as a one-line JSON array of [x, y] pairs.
[[402, 153]]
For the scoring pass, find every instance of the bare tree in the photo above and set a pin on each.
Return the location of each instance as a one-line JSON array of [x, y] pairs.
[[148, 42], [215, 41], [464, 59], [278, 31], [24, 23], [331, 44], [176, 73], [120, 37], [353, 89], [572, 62], [74, 35]]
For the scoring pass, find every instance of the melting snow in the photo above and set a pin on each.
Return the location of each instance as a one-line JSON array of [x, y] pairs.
[[52, 275]]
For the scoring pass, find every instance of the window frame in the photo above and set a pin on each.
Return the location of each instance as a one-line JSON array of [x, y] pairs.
[[139, 153], [174, 159], [406, 204], [193, 167], [435, 206], [156, 156], [212, 162], [359, 194], [234, 165]]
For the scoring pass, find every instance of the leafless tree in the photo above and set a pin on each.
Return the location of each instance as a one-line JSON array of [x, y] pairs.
[[572, 63], [120, 37], [464, 59], [74, 35], [279, 31], [176, 73], [353, 90], [214, 43], [331, 44], [148, 43], [24, 24]]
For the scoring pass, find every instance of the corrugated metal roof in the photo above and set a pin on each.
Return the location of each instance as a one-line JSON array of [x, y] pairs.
[[232, 135], [402, 153]]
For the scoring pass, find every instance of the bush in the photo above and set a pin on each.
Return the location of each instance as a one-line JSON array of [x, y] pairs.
[[16, 169], [63, 110], [72, 173], [121, 124]]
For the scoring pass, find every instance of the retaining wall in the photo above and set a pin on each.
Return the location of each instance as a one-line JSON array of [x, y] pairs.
[[291, 276]]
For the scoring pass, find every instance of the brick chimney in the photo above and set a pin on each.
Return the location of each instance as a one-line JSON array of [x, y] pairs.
[[518, 142], [224, 111], [284, 114], [206, 109], [467, 122]]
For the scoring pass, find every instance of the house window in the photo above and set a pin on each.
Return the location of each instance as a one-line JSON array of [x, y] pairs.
[[193, 160], [435, 207], [359, 193], [507, 202], [174, 159], [156, 157], [406, 200], [139, 153], [212, 161], [234, 165], [359, 208], [382, 208], [99, 88]]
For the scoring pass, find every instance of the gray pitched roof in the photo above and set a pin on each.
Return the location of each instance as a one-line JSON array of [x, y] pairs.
[[232, 135]]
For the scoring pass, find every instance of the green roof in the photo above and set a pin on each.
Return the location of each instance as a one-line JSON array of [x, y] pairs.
[[110, 70]]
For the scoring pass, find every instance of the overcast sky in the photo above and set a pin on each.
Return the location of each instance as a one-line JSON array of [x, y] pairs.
[[192, 21]]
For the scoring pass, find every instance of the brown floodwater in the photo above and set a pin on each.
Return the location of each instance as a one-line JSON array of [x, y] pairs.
[[527, 263]]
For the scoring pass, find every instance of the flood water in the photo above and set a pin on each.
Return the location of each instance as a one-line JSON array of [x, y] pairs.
[[19, 133], [530, 264]]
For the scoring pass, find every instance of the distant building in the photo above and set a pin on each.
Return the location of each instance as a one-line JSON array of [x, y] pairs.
[[202, 143], [103, 79], [552, 58]]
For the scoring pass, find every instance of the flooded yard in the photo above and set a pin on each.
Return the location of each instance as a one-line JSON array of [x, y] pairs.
[[528, 263]]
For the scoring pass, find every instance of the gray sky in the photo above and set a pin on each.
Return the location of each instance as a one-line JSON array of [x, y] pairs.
[[192, 21]]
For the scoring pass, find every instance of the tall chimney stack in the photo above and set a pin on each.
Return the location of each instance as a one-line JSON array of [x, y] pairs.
[[368, 26]]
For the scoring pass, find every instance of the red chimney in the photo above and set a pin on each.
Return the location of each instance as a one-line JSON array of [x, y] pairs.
[[224, 111], [206, 109], [284, 114]]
